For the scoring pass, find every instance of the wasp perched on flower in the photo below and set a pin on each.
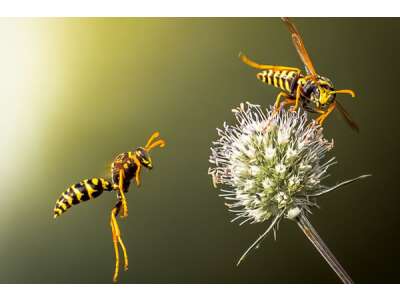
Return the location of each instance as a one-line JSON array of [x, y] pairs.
[[313, 92], [272, 166], [126, 167]]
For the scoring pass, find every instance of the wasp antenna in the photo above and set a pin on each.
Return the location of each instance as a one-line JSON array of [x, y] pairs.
[[155, 135], [244, 58], [160, 143], [349, 92]]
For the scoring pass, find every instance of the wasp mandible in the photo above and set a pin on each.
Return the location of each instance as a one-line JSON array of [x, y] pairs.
[[313, 92], [125, 167]]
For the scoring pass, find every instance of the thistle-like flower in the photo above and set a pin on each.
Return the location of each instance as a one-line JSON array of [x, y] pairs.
[[271, 165]]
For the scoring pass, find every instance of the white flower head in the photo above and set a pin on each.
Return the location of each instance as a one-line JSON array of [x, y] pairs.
[[271, 166], [282, 165]]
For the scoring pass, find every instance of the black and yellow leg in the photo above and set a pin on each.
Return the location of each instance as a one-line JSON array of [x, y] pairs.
[[325, 114], [116, 237], [124, 209]]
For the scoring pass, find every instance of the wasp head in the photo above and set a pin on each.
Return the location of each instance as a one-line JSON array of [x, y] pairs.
[[323, 93], [144, 158], [142, 153]]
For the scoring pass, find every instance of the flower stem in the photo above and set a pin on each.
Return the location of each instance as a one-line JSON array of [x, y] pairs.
[[319, 244]]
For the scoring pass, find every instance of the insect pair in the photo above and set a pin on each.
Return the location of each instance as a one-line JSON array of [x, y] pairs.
[[313, 92], [125, 168]]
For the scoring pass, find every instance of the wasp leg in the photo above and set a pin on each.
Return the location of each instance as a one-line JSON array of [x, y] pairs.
[[288, 101], [124, 210], [325, 114], [115, 243], [137, 176], [139, 166], [278, 100], [116, 236], [121, 242], [277, 106], [297, 100]]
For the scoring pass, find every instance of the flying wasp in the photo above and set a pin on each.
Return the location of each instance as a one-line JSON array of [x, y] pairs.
[[313, 92], [125, 167]]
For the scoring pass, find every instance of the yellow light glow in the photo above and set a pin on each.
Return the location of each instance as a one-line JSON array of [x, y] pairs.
[[21, 61]]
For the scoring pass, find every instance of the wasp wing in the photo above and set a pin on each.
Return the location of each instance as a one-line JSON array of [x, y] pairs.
[[347, 117], [301, 49]]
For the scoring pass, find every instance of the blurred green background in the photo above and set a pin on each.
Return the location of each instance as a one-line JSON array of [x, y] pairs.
[[76, 92]]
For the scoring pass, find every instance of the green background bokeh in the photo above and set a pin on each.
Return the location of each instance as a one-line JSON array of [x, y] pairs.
[[89, 89]]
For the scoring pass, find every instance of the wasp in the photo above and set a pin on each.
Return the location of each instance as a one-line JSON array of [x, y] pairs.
[[125, 168], [313, 92]]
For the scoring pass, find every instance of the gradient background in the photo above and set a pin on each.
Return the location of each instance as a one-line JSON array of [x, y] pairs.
[[76, 92]]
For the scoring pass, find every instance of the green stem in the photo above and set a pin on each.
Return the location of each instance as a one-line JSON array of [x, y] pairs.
[[319, 244]]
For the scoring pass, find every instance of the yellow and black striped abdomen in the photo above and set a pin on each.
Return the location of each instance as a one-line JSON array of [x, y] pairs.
[[85, 190], [283, 79]]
